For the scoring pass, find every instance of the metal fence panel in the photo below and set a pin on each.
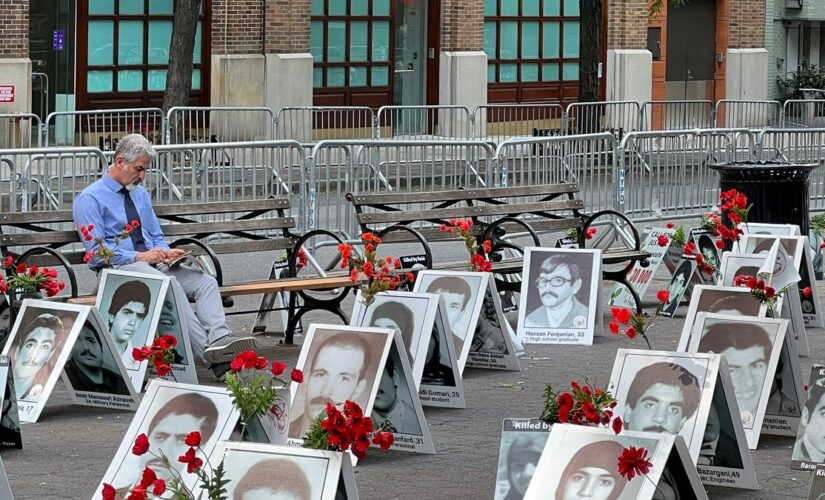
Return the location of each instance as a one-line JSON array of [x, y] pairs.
[[200, 124], [665, 174], [320, 123], [676, 115], [803, 113], [102, 128], [19, 130], [33, 179], [748, 114], [616, 117], [501, 122], [423, 122], [340, 167]]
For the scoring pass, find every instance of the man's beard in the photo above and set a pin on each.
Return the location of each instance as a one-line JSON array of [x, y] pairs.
[[132, 186]]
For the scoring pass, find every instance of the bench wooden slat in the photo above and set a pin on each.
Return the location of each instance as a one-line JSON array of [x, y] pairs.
[[460, 212], [36, 217], [464, 194], [433, 234]]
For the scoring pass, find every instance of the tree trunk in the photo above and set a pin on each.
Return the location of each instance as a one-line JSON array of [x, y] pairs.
[[179, 74], [590, 52]]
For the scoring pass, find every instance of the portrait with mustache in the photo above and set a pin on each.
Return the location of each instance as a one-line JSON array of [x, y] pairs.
[[34, 355], [559, 280], [661, 398], [336, 373], [88, 368]]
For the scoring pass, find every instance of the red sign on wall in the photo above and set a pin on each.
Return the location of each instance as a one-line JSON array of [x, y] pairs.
[[6, 93]]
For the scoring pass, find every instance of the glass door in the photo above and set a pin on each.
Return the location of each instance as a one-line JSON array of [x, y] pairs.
[[410, 65]]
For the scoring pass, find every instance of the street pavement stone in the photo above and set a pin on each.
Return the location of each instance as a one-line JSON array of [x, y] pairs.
[[67, 452]]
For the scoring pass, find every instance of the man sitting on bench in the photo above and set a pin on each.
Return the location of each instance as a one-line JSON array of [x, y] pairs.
[[117, 199]]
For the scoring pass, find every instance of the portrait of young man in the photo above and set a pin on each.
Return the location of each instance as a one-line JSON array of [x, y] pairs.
[[678, 285], [340, 366], [733, 301], [394, 314], [460, 295], [35, 351], [89, 368], [273, 479], [489, 334], [521, 459], [661, 397], [435, 371], [117, 199], [167, 429], [130, 303], [393, 409], [557, 283], [748, 349], [810, 444]]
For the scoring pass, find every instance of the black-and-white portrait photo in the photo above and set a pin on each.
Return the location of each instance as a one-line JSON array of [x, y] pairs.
[[168, 412], [393, 407], [522, 441], [463, 294], [5, 320], [576, 465], [10, 436], [489, 334], [707, 247], [130, 303], [739, 264], [678, 285], [438, 367], [172, 323], [558, 296], [339, 364], [92, 367], [788, 255], [751, 347], [730, 300], [809, 448], [719, 444]]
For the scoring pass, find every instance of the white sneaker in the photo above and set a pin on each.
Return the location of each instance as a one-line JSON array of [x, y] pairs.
[[226, 348]]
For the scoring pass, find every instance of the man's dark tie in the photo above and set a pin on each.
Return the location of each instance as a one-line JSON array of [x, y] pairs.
[[132, 214]]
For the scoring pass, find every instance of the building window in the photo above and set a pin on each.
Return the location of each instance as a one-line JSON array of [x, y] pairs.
[[350, 43], [531, 42], [127, 48]]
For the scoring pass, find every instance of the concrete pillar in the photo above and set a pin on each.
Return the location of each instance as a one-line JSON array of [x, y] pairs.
[[462, 81], [289, 85], [629, 78], [237, 81], [747, 74]]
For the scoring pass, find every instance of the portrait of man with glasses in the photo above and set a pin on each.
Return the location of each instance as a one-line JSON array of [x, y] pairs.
[[559, 280]]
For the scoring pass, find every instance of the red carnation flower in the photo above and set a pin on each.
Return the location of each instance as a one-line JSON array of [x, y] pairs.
[[631, 332], [620, 314], [669, 225], [278, 368], [633, 461], [141, 445], [807, 292], [193, 439], [614, 327], [296, 375], [109, 492], [662, 240], [617, 425], [663, 296]]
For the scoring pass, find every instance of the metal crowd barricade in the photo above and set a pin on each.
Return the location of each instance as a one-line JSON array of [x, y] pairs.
[[584, 159], [500, 122], [311, 124], [803, 113], [19, 130], [616, 117], [102, 128], [336, 168], [423, 122], [676, 115], [665, 175], [795, 145], [35, 179], [748, 114], [196, 124]]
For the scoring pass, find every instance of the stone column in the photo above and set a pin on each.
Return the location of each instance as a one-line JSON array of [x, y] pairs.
[[747, 58], [629, 64]]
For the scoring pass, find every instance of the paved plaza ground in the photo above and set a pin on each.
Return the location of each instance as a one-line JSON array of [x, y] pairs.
[[67, 452]]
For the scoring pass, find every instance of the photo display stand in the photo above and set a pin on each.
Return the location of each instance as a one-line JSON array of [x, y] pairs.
[[285, 472], [787, 396], [718, 299], [10, 436], [683, 383], [641, 277], [706, 246], [573, 451], [680, 286], [492, 347], [808, 451], [522, 441], [539, 319], [272, 427], [172, 322], [119, 289], [752, 348], [441, 382], [42, 344]]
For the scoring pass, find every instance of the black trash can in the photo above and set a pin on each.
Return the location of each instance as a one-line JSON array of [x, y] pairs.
[[778, 190]]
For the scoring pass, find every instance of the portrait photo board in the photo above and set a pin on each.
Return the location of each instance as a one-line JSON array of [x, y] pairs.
[[272, 427], [463, 295], [144, 334], [522, 441], [10, 436], [35, 373], [534, 323], [640, 277], [328, 345], [752, 347], [113, 389], [706, 246], [493, 347], [817, 489], [718, 299], [172, 322], [257, 470], [441, 382], [397, 406], [743, 264], [806, 450], [174, 410], [571, 449], [787, 397], [679, 287], [665, 392]]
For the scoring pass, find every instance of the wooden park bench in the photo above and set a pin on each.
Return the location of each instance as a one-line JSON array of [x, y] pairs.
[[49, 239], [497, 214]]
